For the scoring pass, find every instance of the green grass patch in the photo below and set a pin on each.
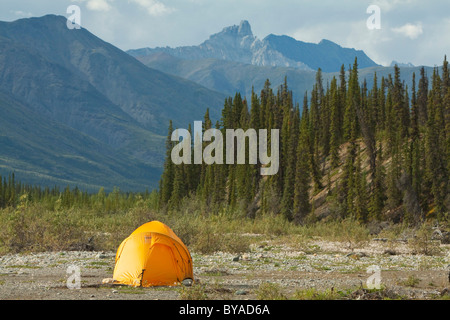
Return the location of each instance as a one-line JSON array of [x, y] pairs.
[[131, 290], [315, 294], [412, 281], [23, 267]]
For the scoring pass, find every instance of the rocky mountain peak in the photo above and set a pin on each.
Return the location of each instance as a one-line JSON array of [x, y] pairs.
[[237, 43], [236, 31], [245, 29]]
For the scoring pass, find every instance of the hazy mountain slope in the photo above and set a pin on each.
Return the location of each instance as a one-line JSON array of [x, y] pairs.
[[230, 77], [46, 152], [61, 96], [326, 55], [94, 115], [227, 76], [148, 96]]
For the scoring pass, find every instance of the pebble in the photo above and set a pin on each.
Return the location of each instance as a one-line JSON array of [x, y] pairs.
[[241, 292], [101, 255], [187, 282]]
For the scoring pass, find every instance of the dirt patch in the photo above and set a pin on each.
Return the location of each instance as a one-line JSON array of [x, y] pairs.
[[318, 265]]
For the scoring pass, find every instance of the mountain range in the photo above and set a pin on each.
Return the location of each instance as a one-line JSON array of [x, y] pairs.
[[232, 61], [237, 43], [76, 110]]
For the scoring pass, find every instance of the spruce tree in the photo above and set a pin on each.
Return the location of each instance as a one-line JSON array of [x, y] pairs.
[[378, 194], [353, 99], [422, 97], [399, 105], [287, 201], [348, 183], [313, 129], [415, 169], [302, 206], [335, 138], [244, 172], [381, 120], [2, 194], [436, 168], [167, 178]]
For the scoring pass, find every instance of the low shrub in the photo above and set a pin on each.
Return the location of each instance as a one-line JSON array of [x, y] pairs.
[[270, 291]]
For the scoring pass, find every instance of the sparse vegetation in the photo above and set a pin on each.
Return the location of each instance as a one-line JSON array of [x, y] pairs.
[[38, 226], [33, 226], [314, 294], [196, 292], [131, 290], [421, 242], [270, 291], [411, 281]]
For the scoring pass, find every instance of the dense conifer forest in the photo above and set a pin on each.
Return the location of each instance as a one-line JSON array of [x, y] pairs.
[[379, 153]]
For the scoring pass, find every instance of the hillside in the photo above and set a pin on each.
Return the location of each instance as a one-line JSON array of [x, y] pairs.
[[91, 89], [55, 154]]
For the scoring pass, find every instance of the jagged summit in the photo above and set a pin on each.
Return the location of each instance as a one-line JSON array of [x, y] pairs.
[[237, 43], [245, 29], [242, 30], [401, 64]]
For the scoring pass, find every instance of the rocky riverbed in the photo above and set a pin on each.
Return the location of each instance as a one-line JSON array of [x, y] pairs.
[[316, 265]]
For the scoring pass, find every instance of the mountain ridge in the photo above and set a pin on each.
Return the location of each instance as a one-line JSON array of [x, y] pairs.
[[237, 43], [110, 112], [230, 77]]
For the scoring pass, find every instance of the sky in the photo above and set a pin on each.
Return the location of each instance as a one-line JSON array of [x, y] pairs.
[[412, 31]]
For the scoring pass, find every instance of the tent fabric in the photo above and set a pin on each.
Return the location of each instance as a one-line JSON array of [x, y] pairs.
[[152, 255]]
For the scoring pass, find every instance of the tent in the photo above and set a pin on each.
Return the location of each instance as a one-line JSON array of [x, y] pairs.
[[152, 255]]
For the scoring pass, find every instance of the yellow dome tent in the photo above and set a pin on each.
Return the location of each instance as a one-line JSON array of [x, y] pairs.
[[152, 255]]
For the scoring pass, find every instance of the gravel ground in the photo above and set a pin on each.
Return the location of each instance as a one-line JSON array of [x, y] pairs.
[[317, 264]]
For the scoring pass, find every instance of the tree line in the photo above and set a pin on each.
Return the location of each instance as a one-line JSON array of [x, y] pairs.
[[14, 193], [368, 153]]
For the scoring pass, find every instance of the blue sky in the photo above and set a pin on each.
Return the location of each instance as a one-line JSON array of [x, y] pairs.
[[411, 30]]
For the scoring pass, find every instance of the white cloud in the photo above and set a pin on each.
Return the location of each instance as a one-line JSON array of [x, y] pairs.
[[96, 5], [22, 13], [410, 30], [153, 7], [389, 5]]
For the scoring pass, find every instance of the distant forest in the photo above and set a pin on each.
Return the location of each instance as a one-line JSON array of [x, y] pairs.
[[372, 154]]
